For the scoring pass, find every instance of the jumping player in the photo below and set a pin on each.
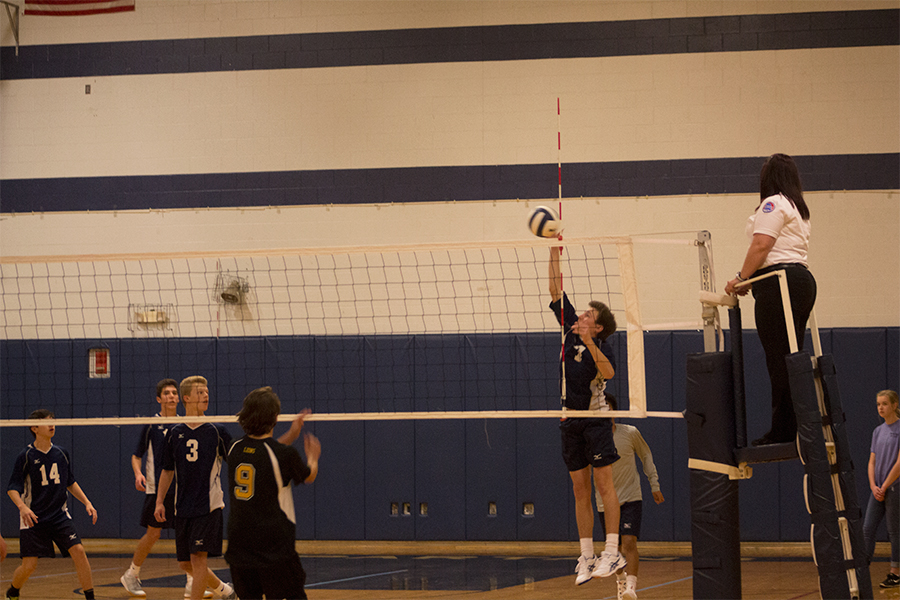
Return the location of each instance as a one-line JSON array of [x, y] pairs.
[[588, 443], [261, 524], [630, 442], [193, 458], [39, 487]]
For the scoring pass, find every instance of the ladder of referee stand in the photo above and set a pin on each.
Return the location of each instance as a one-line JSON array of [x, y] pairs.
[[720, 456]]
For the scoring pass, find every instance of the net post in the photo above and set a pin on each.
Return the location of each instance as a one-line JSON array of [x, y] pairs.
[[710, 314], [637, 393]]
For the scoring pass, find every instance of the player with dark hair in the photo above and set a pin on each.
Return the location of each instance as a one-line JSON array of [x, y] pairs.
[[587, 444], [193, 457], [39, 487], [261, 523]]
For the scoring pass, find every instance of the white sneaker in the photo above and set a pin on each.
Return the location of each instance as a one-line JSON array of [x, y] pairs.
[[132, 585], [620, 589], [609, 563], [584, 569], [207, 593], [228, 594], [630, 592]]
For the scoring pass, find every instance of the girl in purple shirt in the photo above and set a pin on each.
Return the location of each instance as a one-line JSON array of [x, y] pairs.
[[884, 471]]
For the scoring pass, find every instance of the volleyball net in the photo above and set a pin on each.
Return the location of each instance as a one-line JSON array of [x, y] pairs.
[[432, 331]]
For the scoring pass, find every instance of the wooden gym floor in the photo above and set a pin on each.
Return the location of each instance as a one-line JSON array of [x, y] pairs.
[[468, 570]]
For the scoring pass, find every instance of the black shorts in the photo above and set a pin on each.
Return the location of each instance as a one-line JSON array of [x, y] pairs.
[[38, 540], [629, 519], [147, 518], [280, 580], [198, 534], [587, 442]]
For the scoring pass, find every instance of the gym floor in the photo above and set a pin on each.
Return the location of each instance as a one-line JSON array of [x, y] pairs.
[[471, 570]]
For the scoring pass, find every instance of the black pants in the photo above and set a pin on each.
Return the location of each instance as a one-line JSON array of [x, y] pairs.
[[284, 580], [770, 325]]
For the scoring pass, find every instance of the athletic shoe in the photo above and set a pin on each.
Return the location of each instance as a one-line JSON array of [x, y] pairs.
[[892, 581], [609, 563], [8, 597], [630, 593], [207, 593], [229, 593], [620, 589], [583, 569], [132, 584]]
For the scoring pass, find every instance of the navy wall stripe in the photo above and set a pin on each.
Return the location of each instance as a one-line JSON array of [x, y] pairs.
[[421, 184], [836, 29]]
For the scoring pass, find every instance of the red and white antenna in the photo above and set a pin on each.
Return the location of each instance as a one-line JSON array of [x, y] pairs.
[[562, 352]]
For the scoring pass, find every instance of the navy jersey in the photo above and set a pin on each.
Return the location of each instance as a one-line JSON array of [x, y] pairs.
[[43, 479], [261, 522], [196, 456], [152, 443], [585, 386]]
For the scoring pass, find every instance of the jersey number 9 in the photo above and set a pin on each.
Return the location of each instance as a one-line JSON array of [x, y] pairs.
[[244, 479]]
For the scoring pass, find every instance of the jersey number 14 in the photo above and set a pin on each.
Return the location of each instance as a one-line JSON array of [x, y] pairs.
[[54, 474]]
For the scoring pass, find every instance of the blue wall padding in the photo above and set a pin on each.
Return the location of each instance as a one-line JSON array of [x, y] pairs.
[[289, 363], [457, 467], [240, 369], [390, 477], [490, 372], [340, 502], [491, 451], [139, 365], [440, 470], [542, 480]]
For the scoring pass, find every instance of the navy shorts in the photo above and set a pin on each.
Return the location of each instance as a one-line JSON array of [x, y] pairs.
[[147, 518], [629, 519], [587, 442], [280, 580], [198, 534], [38, 540]]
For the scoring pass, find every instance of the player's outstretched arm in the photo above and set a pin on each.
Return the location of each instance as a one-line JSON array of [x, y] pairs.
[[553, 273], [291, 435], [76, 491], [313, 449]]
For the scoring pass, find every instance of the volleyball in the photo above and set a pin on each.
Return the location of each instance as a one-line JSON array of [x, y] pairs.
[[544, 222]]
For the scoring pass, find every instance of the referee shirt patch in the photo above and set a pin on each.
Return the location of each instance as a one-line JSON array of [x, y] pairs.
[[768, 207]]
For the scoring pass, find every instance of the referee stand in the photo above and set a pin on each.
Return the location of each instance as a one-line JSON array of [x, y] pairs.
[[719, 456]]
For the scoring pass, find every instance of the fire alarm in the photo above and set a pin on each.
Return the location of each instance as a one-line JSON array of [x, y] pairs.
[[98, 359]]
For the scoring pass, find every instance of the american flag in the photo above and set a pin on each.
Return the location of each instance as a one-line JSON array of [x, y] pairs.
[[74, 8]]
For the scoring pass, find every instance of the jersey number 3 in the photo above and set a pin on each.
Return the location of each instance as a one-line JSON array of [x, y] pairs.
[[54, 474], [193, 445], [244, 479]]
